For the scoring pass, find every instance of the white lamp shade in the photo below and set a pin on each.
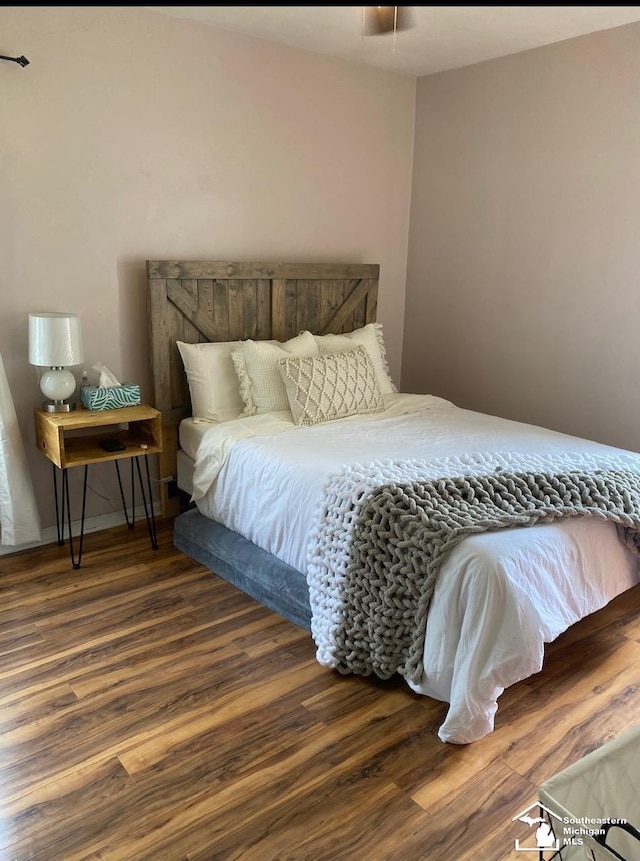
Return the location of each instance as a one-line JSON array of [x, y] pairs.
[[55, 339]]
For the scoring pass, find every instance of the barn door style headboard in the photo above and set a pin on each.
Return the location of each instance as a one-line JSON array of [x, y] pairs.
[[201, 301]]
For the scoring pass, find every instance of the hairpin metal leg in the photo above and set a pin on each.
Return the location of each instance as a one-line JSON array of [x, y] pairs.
[[59, 522], [147, 501], [133, 491], [64, 508], [124, 503]]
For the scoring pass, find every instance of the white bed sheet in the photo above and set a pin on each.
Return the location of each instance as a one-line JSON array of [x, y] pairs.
[[499, 596]]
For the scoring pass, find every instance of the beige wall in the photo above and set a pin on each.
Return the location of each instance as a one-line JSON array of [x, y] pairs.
[[133, 135], [523, 294]]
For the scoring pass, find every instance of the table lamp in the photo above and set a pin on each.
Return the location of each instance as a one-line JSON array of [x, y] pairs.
[[55, 341]]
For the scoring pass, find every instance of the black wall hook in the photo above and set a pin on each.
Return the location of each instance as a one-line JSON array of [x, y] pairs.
[[22, 61]]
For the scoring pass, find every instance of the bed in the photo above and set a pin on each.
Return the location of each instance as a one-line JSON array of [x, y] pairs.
[[313, 479]]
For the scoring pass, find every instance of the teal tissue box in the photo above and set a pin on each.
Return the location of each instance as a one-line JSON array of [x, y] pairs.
[[107, 398]]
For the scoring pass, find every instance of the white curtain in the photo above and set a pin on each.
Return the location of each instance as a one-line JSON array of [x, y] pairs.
[[19, 517]]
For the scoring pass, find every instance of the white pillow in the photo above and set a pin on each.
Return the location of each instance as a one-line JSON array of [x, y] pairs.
[[331, 386], [256, 362], [370, 337], [213, 383]]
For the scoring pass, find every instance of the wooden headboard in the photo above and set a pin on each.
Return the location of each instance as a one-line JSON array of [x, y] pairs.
[[200, 301]]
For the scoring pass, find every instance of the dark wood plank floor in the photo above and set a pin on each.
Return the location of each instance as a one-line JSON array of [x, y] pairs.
[[152, 711]]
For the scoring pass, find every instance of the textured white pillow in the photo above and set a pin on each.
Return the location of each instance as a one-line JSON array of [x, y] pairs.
[[213, 383], [331, 386], [256, 362], [369, 336]]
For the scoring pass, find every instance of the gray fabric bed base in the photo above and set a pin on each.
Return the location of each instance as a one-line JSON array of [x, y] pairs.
[[240, 562]]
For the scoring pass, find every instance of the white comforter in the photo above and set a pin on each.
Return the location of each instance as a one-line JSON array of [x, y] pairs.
[[499, 596]]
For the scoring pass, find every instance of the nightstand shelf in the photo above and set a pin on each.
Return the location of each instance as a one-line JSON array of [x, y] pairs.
[[73, 439]]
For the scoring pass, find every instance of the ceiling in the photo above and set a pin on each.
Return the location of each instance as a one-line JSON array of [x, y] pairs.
[[443, 37]]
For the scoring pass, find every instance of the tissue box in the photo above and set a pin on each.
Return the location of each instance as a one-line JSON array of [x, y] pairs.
[[110, 398]]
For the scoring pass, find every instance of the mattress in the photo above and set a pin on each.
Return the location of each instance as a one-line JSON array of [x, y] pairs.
[[190, 435], [499, 596]]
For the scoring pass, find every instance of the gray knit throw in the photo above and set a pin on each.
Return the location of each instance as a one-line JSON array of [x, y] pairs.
[[403, 532]]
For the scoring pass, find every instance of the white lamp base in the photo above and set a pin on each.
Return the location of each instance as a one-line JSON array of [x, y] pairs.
[[58, 384], [58, 406]]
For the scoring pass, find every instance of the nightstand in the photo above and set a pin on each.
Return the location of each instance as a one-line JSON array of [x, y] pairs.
[[73, 439]]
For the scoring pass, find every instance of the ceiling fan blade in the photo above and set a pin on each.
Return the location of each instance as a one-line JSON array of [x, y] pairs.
[[386, 19]]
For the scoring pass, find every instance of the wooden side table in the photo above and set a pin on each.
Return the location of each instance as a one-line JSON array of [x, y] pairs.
[[74, 439]]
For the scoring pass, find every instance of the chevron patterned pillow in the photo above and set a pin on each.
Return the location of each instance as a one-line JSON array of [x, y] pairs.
[[331, 386]]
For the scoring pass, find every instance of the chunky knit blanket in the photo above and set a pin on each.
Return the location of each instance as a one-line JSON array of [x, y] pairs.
[[378, 545]]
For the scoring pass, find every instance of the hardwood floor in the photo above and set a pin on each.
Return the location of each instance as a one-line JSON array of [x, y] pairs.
[[152, 711]]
